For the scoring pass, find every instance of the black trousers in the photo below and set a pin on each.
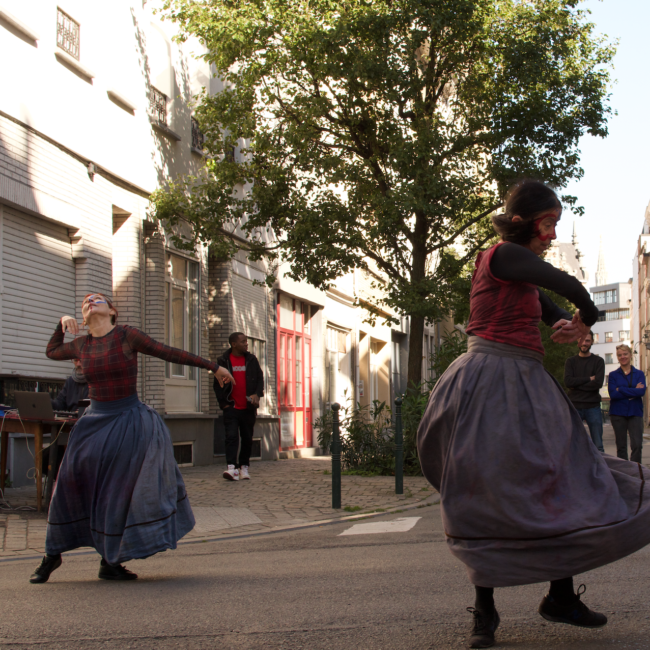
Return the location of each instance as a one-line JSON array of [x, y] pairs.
[[239, 423], [634, 426]]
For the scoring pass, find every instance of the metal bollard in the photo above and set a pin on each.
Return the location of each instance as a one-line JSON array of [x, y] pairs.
[[399, 448], [335, 449]]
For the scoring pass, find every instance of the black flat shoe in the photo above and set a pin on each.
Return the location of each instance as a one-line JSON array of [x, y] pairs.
[[485, 625], [44, 570], [117, 572], [576, 613]]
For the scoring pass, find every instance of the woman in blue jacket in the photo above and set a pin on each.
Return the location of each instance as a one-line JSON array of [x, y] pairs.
[[626, 388]]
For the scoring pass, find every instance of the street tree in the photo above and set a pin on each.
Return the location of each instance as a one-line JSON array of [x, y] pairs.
[[381, 134]]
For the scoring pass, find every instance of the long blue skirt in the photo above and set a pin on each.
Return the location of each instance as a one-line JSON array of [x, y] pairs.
[[525, 495], [119, 488]]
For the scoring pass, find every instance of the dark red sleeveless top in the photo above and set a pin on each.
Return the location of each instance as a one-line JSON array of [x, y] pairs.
[[502, 311]]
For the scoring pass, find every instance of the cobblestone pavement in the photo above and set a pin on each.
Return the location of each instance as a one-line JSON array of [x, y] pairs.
[[280, 494]]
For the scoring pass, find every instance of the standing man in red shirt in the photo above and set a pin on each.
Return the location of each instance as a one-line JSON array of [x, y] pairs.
[[239, 404]]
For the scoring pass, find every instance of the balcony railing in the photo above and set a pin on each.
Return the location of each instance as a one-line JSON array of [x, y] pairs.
[[67, 34], [158, 106]]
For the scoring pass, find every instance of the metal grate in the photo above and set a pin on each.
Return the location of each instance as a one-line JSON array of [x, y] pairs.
[[183, 453], [198, 139], [67, 34], [158, 106]]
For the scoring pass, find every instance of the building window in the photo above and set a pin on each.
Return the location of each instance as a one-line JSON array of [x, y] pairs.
[[609, 357], [337, 366], [397, 368], [375, 348], [614, 314], [158, 106], [294, 371], [623, 335], [67, 34], [596, 336], [604, 297], [198, 139], [181, 312], [609, 337]]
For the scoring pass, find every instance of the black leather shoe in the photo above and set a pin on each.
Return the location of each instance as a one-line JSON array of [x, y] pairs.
[[485, 625], [44, 570], [117, 572], [576, 613]]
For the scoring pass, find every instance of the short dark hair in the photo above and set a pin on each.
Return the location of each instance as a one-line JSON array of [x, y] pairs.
[[591, 333], [527, 198], [234, 336]]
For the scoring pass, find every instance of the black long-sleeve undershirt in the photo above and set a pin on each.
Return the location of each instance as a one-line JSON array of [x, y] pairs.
[[514, 263]]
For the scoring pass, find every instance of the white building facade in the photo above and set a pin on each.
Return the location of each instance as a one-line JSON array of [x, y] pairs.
[[614, 302], [95, 115]]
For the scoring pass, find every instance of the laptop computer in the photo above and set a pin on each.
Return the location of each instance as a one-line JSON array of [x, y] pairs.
[[37, 406]]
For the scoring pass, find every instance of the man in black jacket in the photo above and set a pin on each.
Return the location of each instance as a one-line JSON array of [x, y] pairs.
[[74, 390], [584, 375], [239, 403]]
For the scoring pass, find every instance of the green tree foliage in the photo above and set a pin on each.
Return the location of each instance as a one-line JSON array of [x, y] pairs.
[[380, 133], [454, 343], [557, 353]]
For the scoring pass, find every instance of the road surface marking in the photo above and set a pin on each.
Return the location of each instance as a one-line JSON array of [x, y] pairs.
[[400, 525]]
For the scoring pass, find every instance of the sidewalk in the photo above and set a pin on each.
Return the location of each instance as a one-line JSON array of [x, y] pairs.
[[279, 495]]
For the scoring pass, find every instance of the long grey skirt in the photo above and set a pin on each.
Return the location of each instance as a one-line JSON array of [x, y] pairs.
[[525, 495], [119, 488]]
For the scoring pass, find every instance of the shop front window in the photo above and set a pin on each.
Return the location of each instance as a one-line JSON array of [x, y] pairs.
[[294, 371]]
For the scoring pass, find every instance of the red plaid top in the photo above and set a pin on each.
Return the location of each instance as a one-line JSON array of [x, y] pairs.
[[503, 311], [110, 362]]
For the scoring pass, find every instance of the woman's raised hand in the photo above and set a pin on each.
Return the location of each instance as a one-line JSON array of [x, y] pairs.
[[224, 377], [568, 332], [69, 323]]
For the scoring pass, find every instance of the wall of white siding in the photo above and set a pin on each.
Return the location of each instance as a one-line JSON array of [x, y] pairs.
[[38, 281]]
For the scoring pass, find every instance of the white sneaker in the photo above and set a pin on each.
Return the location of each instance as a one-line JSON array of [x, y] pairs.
[[243, 472], [232, 473]]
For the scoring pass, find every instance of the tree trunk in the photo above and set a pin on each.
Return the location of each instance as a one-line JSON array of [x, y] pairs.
[[416, 339], [416, 329]]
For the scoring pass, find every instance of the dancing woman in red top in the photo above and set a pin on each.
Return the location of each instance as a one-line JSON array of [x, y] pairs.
[[119, 489], [526, 497]]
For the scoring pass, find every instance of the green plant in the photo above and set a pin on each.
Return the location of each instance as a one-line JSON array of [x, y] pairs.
[[352, 508], [454, 343], [368, 436]]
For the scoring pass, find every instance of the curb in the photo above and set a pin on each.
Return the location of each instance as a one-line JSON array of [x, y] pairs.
[[433, 500]]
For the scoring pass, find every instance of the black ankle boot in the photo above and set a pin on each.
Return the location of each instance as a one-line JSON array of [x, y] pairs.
[[573, 613], [44, 570], [485, 626], [116, 572]]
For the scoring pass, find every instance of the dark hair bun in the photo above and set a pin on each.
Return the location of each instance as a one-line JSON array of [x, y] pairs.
[[527, 198]]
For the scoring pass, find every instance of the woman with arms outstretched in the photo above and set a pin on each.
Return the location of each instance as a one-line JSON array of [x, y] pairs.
[[119, 489], [526, 497]]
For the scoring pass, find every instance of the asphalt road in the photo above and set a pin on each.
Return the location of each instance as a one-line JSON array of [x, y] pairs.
[[308, 589]]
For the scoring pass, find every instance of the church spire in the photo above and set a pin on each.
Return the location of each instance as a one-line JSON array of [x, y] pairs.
[[601, 271], [574, 237]]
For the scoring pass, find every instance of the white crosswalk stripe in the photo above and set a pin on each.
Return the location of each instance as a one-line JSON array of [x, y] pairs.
[[401, 525]]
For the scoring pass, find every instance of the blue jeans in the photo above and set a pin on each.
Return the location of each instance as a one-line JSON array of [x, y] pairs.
[[594, 419]]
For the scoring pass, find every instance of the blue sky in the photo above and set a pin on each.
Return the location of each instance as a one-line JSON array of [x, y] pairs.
[[615, 188]]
